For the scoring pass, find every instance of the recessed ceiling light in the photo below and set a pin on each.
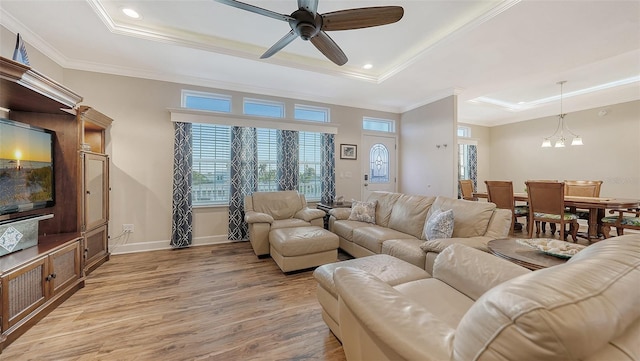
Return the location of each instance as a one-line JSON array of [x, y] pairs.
[[131, 13], [367, 66]]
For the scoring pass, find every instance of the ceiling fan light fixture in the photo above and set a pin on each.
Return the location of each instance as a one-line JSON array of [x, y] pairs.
[[546, 143]]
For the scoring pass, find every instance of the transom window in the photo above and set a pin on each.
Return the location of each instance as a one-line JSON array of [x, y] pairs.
[[378, 125], [263, 108], [311, 113], [206, 101]]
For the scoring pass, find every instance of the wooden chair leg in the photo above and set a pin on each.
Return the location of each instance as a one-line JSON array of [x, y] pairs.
[[606, 229], [574, 231], [538, 229]]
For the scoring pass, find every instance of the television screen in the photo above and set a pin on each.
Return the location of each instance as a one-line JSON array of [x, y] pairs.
[[26, 167]]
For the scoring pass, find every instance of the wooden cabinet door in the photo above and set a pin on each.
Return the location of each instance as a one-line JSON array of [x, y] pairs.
[[64, 267], [95, 188], [23, 291], [96, 248]]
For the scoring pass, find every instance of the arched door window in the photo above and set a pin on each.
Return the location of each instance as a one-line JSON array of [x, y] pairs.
[[379, 161]]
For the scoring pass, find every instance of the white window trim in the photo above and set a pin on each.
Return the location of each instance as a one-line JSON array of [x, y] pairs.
[[204, 116]]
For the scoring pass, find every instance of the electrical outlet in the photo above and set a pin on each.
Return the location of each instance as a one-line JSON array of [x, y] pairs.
[[128, 228]]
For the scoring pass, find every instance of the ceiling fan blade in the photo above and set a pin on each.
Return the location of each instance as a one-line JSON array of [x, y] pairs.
[[361, 18], [309, 5], [257, 10], [291, 36], [329, 48]]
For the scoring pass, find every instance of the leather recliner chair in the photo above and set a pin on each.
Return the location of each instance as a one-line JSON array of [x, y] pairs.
[[265, 211]]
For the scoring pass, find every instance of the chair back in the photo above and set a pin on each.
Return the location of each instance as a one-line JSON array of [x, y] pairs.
[[582, 188], [466, 188], [501, 193], [545, 197]]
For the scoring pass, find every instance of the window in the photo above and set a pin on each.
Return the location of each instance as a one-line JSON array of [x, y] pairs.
[[379, 158], [263, 108], [267, 159], [315, 114], [379, 125], [206, 101], [309, 181], [464, 132], [211, 160], [212, 149]]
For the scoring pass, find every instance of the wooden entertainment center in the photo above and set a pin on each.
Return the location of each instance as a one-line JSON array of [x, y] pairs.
[[74, 241]]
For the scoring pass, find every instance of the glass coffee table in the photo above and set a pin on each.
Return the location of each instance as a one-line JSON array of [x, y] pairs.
[[521, 255]]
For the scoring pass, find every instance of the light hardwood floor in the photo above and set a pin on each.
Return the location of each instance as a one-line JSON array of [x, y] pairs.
[[203, 303]]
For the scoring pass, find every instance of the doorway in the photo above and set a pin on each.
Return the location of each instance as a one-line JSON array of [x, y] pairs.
[[378, 164]]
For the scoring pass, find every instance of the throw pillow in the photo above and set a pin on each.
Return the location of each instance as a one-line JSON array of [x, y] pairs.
[[438, 225], [363, 211]]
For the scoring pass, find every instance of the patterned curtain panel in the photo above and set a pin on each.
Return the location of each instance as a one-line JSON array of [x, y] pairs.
[[181, 228], [473, 165], [288, 158], [328, 169], [244, 177]]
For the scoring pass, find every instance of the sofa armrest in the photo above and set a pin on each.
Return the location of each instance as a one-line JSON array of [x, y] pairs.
[[472, 271], [309, 214], [438, 245], [257, 217], [340, 213], [401, 324]]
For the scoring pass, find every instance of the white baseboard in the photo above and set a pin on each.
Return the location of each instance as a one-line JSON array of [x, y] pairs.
[[164, 244]]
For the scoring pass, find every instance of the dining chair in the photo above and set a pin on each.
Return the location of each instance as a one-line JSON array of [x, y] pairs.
[[466, 188], [544, 224], [546, 204], [582, 188], [501, 193]]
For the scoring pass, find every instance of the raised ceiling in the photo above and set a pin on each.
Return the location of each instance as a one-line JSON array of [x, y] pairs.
[[502, 58]]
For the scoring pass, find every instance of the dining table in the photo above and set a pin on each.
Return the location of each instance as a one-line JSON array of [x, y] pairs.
[[595, 205]]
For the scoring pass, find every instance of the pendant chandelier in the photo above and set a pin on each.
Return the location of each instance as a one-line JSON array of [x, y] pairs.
[[562, 127]]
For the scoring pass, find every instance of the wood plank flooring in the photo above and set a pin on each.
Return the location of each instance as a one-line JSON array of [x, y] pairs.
[[203, 303]]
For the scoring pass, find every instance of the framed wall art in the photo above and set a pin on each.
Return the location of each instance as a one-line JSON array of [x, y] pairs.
[[348, 151]]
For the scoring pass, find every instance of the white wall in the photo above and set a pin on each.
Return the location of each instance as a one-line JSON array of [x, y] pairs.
[[141, 146], [424, 168], [611, 151]]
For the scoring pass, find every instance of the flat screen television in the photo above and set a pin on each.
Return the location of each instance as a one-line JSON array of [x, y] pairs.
[[26, 167]]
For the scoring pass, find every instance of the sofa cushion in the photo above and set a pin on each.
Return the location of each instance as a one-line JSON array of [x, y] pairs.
[[372, 237], [288, 223], [363, 211], [439, 298], [409, 212], [345, 228], [407, 249], [471, 218], [438, 245], [386, 200], [439, 225]]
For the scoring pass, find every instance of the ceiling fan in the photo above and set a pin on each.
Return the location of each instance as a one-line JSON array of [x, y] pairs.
[[308, 24]]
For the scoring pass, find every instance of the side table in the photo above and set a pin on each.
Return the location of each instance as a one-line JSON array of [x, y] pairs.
[[521, 255], [326, 207]]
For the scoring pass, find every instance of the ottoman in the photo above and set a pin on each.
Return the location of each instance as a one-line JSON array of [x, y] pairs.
[[389, 269], [302, 247]]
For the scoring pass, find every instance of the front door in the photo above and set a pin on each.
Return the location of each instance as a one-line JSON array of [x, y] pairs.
[[378, 164]]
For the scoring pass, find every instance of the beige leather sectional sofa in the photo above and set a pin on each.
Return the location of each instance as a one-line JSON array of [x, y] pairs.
[[481, 307], [399, 223]]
